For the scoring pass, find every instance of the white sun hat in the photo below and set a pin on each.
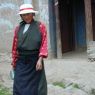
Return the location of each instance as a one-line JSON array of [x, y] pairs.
[[26, 8]]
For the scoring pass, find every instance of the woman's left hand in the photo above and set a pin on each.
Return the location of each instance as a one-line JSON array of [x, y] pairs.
[[39, 65]]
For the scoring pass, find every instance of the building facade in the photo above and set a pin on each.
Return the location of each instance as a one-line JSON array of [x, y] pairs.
[[72, 27], [70, 24], [76, 26], [75, 21]]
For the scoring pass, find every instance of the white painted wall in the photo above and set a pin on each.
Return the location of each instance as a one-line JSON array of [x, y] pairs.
[[28, 1], [8, 20]]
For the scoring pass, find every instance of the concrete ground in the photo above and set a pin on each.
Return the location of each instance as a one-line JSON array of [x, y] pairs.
[[74, 70]]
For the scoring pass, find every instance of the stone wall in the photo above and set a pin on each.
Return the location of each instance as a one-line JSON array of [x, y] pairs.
[[91, 50], [8, 20]]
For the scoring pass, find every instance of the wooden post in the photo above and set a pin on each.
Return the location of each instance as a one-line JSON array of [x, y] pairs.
[[52, 28], [58, 33], [89, 31], [88, 15]]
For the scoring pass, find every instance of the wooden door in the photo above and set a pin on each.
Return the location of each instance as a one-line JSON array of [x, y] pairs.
[[66, 25]]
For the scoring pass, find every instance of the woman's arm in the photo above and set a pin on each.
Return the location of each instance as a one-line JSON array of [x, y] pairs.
[[43, 49], [14, 47]]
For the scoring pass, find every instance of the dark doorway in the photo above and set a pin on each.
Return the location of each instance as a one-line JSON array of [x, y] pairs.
[[66, 25], [72, 24]]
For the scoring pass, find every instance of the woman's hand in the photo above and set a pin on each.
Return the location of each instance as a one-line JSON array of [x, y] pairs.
[[39, 65]]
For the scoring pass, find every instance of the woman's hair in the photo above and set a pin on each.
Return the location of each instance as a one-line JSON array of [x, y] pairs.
[[33, 14]]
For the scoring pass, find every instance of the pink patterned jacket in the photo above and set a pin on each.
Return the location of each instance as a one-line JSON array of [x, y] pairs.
[[43, 48]]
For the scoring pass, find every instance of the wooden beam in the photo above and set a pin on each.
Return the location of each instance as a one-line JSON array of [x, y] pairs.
[[58, 33], [88, 15]]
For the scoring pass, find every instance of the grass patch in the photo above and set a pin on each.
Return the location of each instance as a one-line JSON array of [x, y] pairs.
[[4, 91], [60, 84], [75, 85], [92, 92]]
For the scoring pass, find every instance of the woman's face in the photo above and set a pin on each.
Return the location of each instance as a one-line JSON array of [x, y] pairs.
[[27, 17]]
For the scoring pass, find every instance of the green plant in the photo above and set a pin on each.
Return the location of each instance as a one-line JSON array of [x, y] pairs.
[[60, 84], [4, 91], [75, 85], [92, 92]]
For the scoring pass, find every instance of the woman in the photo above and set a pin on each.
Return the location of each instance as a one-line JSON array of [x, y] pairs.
[[29, 49]]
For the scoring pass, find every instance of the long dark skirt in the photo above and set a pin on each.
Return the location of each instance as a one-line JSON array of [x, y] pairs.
[[27, 80]]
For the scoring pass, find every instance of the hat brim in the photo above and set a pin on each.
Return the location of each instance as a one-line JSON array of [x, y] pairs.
[[27, 11]]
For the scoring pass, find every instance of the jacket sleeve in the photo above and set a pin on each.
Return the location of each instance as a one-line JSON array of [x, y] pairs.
[[43, 48], [14, 47]]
